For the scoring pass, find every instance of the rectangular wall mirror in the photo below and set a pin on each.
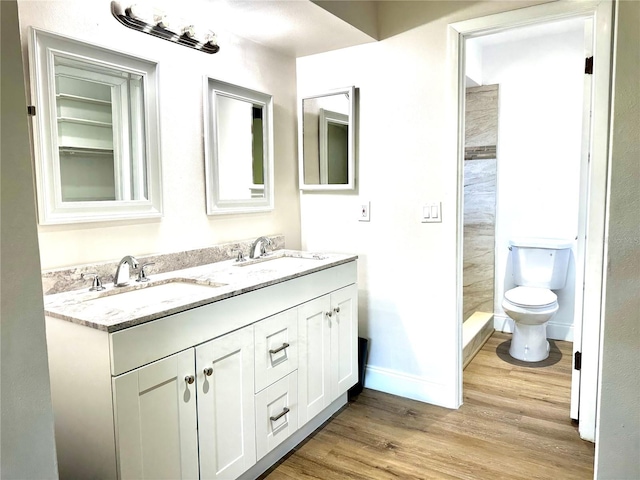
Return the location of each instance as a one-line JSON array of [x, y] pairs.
[[326, 140], [238, 148], [95, 130]]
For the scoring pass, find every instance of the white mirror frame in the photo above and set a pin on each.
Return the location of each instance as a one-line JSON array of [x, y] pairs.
[[52, 210], [216, 205], [322, 134]]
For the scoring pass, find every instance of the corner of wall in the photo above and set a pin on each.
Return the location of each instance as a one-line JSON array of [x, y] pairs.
[[28, 445]]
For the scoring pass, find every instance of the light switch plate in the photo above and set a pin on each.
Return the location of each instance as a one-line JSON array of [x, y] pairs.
[[364, 211], [432, 212]]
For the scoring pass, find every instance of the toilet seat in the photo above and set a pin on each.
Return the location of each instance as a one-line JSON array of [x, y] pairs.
[[531, 297]]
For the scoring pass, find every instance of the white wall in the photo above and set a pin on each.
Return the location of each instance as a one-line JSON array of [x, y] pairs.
[[407, 269], [618, 437], [185, 223], [28, 449], [539, 151]]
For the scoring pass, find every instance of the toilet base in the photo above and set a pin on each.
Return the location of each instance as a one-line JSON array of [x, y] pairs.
[[529, 342]]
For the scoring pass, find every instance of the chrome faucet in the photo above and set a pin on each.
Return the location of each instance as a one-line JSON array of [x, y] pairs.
[[122, 276], [264, 242]]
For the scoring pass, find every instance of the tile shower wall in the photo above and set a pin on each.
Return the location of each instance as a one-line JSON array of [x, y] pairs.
[[479, 236], [481, 122], [481, 136]]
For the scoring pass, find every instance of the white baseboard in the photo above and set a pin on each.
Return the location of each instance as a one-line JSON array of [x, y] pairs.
[[502, 323], [409, 386], [558, 331], [555, 331]]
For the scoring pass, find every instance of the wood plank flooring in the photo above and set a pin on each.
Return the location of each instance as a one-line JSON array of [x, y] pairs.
[[514, 424]]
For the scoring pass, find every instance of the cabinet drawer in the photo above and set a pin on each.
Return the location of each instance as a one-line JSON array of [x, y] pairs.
[[276, 343], [276, 414]]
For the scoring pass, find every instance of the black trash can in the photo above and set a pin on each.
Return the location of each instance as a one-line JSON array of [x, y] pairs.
[[363, 345]]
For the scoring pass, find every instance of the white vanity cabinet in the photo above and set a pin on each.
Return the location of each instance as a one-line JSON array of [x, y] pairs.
[[328, 349], [221, 391]]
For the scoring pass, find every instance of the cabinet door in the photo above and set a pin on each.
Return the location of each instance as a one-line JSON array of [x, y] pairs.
[[344, 340], [156, 426], [314, 358], [226, 415]]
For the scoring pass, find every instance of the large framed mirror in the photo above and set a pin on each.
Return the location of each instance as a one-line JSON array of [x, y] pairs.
[[96, 132], [326, 140], [238, 148]]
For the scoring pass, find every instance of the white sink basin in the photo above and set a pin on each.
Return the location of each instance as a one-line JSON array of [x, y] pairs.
[[136, 296], [280, 258]]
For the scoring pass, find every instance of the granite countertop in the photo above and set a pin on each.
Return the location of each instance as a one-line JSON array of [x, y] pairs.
[[168, 293]]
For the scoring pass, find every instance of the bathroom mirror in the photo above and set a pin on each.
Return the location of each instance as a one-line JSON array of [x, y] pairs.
[[96, 132], [326, 141], [238, 149]]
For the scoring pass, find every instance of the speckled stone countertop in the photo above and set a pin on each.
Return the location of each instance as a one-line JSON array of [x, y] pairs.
[[109, 312]]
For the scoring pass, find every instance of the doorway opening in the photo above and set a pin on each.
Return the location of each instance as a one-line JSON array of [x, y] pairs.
[[547, 177], [522, 169]]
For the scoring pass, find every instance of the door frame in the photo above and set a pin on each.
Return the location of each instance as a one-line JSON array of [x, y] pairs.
[[602, 13]]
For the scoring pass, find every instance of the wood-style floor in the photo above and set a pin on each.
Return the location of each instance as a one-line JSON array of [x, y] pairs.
[[514, 424]]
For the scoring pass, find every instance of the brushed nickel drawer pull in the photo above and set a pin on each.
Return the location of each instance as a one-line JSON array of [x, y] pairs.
[[284, 411], [279, 349]]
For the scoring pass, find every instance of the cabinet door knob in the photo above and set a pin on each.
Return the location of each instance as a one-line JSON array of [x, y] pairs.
[[336, 310], [284, 411], [189, 379], [328, 314], [208, 371], [273, 351]]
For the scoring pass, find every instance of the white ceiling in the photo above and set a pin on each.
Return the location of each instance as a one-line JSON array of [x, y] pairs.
[[294, 27]]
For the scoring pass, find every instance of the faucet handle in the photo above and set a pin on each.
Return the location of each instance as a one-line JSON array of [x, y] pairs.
[[142, 274], [97, 283], [240, 257]]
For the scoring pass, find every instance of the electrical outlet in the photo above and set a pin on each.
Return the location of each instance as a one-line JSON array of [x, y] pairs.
[[364, 211]]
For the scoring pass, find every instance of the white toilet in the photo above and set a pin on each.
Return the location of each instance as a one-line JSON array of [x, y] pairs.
[[539, 266]]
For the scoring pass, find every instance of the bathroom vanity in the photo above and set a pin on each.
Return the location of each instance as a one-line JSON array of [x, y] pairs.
[[214, 371]]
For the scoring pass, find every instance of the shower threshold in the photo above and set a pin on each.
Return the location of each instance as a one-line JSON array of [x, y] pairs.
[[476, 330]]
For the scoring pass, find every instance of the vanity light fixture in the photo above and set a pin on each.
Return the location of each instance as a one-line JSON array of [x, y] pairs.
[[154, 22]]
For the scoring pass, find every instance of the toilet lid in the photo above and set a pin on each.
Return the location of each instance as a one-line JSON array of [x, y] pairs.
[[531, 297]]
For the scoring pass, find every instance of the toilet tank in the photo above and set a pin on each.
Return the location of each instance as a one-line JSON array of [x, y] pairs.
[[540, 262]]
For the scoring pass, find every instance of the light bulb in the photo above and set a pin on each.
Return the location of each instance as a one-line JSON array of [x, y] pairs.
[[189, 31], [161, 20], [141, 12], [211, 38]]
